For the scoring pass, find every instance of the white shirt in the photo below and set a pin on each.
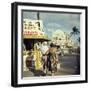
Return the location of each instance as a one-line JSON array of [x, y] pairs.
[[44, 49]]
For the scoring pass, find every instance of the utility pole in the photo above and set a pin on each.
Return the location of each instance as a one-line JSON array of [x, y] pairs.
[[38, 16]]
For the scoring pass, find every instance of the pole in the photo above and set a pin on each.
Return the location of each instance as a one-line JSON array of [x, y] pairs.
[[38, 16]]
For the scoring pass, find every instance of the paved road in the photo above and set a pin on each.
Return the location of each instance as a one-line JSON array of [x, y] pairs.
[[69, 65]]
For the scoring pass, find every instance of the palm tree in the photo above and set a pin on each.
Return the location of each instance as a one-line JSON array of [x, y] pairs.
[[78, 39], [75, 31]]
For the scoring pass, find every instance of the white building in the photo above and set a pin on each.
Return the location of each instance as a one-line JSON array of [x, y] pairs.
[[61, 38]]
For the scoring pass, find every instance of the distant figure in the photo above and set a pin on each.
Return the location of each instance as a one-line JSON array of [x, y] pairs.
[[29, 61], [58, 52]]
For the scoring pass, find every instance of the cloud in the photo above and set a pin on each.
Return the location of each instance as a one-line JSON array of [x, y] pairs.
[[53, 25], [54, 21]]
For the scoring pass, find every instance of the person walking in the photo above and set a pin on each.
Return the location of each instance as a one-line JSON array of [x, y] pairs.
[[51, 62], [44, 49]]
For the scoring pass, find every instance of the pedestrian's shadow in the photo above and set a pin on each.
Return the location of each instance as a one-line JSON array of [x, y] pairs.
[[38, 72]]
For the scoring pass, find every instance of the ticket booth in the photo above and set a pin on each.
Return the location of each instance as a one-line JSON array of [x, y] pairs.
[[33, 35]]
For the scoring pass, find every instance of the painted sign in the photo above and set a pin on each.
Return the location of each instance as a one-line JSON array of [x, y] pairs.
[[33, 29]]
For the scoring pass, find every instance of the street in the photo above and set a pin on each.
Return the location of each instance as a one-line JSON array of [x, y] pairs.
[[69, 65]]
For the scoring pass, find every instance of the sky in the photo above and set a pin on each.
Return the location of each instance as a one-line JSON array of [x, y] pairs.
[[53, 21]]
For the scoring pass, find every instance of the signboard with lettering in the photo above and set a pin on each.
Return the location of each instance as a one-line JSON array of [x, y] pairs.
[[33, 28]]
